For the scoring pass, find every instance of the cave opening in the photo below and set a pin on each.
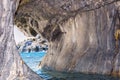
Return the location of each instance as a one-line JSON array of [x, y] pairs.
[[30, 24], [30, 44], [31, 49]]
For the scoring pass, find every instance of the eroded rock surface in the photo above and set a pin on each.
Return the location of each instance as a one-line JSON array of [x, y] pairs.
[[12, 66], [80, 33]]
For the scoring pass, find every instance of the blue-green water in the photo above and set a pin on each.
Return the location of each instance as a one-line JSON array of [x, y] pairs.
[[33, 59]]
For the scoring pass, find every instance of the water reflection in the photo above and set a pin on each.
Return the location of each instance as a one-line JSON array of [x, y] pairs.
[[76, 76]]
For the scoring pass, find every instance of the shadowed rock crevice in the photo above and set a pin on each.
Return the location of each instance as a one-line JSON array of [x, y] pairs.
[[80, 33]]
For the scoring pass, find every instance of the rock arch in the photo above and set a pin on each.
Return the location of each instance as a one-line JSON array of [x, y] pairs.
[[86, 41], [86, 30]]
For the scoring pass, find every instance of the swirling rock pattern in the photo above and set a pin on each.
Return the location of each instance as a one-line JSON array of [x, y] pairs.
[[80, 33]]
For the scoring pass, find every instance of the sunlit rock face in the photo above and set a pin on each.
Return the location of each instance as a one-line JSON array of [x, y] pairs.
[[80, 33], [32, 44]]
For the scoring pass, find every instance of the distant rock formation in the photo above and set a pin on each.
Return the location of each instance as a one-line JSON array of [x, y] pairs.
[[33, 44]]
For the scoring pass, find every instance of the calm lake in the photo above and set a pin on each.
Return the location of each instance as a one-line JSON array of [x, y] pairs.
[[32, 60]]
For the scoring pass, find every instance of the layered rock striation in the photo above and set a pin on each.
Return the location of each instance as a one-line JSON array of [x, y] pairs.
[[80, 33]]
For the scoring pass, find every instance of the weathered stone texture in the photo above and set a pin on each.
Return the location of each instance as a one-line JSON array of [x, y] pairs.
[[11, 65], [80, 33]]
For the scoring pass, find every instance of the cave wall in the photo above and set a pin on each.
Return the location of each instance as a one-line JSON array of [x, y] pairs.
[[12, 67], [80, 33]]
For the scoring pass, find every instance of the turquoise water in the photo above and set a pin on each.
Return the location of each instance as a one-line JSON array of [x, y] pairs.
[[33, 59]]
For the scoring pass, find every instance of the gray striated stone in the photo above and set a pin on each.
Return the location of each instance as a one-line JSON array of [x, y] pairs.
[[12, 66], [80, 33]]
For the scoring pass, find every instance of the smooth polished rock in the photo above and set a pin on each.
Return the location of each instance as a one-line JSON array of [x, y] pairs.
[[80, 33]]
